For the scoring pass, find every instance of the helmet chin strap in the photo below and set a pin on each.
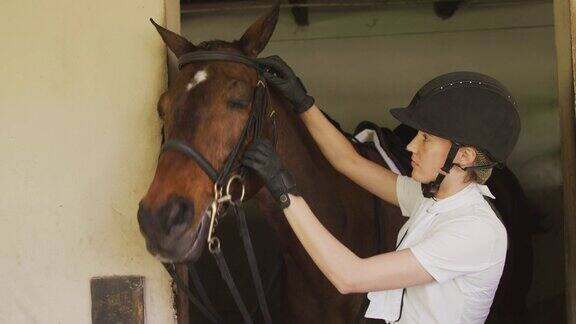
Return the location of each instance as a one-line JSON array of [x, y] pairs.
[[431, 188]]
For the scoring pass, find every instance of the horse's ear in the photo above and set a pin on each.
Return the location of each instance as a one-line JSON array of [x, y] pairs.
[[176, 43], [257, 36]]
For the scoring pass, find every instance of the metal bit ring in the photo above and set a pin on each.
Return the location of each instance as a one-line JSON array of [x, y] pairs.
[[241, 180], [214, 244]]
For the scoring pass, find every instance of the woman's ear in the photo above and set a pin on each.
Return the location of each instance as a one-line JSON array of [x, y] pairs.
[[466, 156]]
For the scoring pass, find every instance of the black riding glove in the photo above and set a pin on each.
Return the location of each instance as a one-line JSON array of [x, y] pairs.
[[281, 76], [261, 157]]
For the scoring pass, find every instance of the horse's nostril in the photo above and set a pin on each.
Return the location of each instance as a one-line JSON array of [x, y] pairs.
[[178, 212]]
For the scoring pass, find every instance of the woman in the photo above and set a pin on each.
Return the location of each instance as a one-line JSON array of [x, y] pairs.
[[451, 251]]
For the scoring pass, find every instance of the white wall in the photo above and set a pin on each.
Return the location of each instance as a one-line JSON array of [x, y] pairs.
[[360, 63], [79, 82]]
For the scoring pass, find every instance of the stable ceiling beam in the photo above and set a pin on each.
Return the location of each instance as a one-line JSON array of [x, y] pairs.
[[216, 6]]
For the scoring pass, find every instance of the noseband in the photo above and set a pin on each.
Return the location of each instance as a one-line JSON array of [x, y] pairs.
[[253, 126]]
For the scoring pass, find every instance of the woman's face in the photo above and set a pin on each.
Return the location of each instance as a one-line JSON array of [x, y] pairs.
[[428, 156]]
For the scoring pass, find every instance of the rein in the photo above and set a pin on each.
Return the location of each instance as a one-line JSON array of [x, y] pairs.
[[253, 126]]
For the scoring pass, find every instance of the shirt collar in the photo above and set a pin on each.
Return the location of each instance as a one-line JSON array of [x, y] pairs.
[[473, 191]]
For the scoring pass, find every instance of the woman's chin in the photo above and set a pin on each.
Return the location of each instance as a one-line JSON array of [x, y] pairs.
[[416, 175]]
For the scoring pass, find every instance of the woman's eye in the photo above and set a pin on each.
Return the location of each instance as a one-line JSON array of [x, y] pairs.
[[237, 104]]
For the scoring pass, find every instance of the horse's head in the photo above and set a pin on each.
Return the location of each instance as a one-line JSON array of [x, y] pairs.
[[206, 108]]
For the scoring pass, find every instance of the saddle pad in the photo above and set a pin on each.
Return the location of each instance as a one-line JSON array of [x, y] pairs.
[[391, 146], [369, 135]]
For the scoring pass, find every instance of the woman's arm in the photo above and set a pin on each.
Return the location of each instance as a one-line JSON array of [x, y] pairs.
[[342, 267], [335, 146], [346, 271], [344, 158]]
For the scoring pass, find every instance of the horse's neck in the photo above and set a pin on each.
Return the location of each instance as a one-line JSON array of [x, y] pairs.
[[346, 210], [340, 205]]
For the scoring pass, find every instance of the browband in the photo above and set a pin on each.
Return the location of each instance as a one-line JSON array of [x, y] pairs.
[[215, 56]]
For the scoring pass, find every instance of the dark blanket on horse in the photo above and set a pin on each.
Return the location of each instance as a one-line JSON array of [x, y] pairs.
[[388, 218]]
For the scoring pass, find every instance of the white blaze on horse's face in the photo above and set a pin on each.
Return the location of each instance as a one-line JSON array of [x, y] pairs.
[[198, 77]]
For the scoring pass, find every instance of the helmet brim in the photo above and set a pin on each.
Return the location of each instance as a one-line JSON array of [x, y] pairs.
[[404, 115]]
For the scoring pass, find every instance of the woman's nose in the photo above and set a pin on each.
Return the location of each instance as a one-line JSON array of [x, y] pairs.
[[411, 147]]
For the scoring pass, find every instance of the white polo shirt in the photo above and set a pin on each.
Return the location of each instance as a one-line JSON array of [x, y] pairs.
[[461, 242]]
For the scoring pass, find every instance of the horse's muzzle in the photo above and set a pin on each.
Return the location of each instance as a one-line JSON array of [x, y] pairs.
[[170, 232]]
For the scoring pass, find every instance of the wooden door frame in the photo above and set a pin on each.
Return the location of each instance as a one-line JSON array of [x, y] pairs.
[[565, 34]]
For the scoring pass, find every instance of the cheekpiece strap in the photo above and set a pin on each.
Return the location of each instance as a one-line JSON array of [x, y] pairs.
[[431, 188]]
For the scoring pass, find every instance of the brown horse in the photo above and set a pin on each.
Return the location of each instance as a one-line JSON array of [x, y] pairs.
[[206, 107]]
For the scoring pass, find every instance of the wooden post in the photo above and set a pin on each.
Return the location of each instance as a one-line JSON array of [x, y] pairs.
[[173, 23], [565, 33]]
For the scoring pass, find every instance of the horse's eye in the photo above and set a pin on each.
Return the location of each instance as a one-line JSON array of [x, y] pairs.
[[237, 104]]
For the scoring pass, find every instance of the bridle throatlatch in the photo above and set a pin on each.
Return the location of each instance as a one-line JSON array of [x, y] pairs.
[[431, 188], [222, 195]]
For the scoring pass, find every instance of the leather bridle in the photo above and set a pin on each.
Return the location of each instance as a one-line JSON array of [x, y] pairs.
[[254, 126]]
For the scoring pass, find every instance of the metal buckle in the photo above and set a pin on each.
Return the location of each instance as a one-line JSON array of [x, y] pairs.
[[213, 222], [214, 245], [213, 213], [219, 199]]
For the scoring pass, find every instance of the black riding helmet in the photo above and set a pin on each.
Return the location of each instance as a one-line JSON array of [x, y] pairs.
[[469, 109]]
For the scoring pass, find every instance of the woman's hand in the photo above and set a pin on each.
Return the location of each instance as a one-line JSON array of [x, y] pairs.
[[261, 157], [282, 77]]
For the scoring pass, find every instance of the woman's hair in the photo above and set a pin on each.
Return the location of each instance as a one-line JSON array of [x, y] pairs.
[[480, 175]]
